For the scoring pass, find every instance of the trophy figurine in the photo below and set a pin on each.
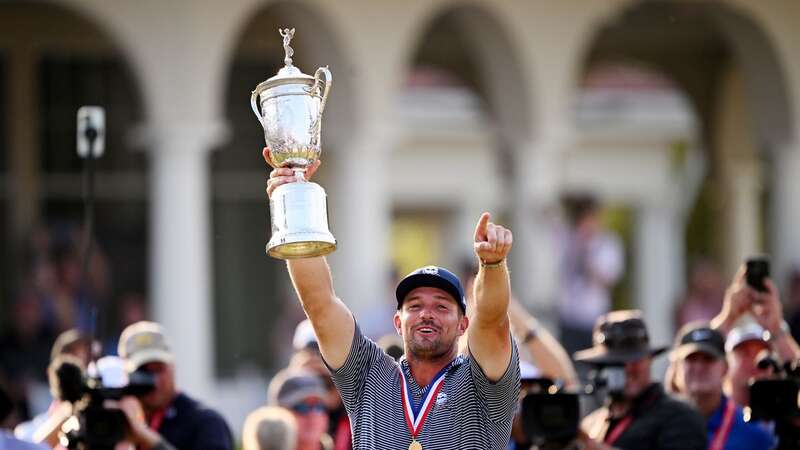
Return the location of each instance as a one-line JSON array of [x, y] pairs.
[[291, 105]]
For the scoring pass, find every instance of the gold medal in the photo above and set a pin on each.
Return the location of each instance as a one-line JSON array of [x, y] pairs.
[[415, 445]]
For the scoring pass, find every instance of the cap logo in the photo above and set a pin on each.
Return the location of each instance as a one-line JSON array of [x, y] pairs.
[[143, 340], [700, 335], [430, 270]]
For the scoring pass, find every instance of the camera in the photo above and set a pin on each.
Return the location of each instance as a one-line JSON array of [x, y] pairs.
[[550, 416], [93, 426], [778, 400]]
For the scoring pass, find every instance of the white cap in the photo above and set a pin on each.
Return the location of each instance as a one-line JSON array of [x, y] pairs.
[[528, 371], [750, 331], [304, 336]]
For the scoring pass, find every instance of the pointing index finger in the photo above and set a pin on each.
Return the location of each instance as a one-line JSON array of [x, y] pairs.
[[480, 229]]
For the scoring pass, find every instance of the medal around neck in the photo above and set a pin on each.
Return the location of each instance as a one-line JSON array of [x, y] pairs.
[[289, 107]]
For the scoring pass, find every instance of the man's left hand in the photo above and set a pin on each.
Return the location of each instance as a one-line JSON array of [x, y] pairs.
[[492, 241]]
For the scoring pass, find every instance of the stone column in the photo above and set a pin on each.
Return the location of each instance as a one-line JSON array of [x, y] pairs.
[[784, 239], [745, 213], [181, 277], [535, 257], [658, 273]]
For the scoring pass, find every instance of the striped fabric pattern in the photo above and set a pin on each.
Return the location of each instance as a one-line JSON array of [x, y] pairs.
[[470, 412]]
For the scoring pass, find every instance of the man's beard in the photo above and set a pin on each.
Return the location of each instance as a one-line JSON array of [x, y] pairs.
[[429, 349]]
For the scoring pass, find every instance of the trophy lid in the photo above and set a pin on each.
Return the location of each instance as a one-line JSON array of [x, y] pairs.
[[288, 74]]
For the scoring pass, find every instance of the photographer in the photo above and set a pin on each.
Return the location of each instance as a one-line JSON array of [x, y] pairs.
[[699, 355], [638, 413], [165, 418], [44, 428]]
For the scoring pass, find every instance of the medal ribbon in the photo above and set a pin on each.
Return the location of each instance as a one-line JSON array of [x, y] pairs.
[[157, 419], [416, 414], [619, 429], [721, 436]]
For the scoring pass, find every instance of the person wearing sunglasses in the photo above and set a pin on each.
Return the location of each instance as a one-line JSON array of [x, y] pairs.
[[303, 393]]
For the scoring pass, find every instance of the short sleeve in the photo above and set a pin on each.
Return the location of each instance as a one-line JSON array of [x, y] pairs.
[[500, 397], [351, 378]]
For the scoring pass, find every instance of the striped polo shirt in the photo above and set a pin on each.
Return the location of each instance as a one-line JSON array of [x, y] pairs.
[[470, 411]]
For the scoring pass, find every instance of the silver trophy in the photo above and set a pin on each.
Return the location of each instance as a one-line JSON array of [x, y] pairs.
[[291, 114]]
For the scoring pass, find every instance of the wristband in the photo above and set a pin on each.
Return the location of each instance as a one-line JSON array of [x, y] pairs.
[[783, 330], [493, 265]]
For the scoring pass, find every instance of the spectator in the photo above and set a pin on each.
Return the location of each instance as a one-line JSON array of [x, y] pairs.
[[699, 352], [269, 428], [303, 394], [44, 427], [765, 308], [24, 352], [7, 440], [307, 357], [547, 354], [764, 329], [793, 302], [592, 261], [743, 346], [165, 417], [640, 415]]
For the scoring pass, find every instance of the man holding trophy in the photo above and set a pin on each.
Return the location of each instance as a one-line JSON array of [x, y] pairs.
[[433, 398]]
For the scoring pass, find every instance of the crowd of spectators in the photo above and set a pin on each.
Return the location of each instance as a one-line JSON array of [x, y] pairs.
[[725, 337], [54, 294]]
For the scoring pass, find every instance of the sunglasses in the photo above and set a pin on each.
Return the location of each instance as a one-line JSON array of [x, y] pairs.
[[307, 408]]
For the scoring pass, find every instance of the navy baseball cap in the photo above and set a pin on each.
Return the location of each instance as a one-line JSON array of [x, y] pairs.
[[432, 276], [699, 337]]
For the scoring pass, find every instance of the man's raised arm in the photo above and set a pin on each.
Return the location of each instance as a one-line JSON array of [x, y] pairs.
[[489, 334], [332, 321]]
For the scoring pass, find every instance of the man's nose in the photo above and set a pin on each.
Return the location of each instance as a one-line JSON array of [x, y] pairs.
[[427, 312]]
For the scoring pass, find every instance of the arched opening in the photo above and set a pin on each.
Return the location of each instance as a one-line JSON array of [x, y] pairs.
[[53, 62], [256, 309], [724, 65], [462, 113]]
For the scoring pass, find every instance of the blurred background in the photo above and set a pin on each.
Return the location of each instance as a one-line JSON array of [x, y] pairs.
[[675, 121]]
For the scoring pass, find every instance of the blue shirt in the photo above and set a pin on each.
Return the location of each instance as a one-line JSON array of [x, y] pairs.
[[743, 435], [8, 442]]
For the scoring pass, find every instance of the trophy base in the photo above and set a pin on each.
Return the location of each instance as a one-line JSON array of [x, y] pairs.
[[299, 222], [306, 247]]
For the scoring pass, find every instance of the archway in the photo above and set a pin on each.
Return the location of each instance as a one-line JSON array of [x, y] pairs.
[[726, 66], [255, 332], [462, 116]]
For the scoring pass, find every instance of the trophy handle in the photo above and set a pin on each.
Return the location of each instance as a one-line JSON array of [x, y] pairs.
[[254, 101], [327, 81]]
